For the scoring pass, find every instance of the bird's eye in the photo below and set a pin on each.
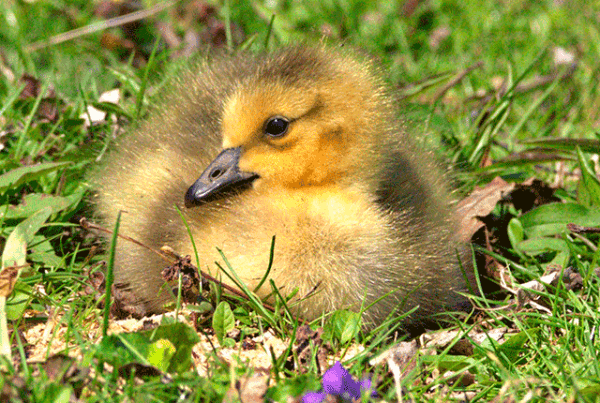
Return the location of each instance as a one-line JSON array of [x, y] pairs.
[[276, 127]]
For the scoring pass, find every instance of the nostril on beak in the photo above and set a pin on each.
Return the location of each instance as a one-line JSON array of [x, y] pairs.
[[216, 173]]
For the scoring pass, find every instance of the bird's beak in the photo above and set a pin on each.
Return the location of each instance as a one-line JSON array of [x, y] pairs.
[[221, 176]]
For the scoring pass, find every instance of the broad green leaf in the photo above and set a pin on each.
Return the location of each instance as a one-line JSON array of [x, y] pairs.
[[16, 245], [124, 348], [536, 246], [15, 249], [24, 174], [183, 338], [342, 326], [32, 203], [448, 362], [591, 185], [552, 219], [592, 390], [561, 259], [167, 347], [512, 348], [17, 302], [223, 320], [515, 232], [41, 251], [583, 196], [160, 353]]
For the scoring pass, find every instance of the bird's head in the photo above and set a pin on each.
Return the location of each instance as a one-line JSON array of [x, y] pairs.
[[298, 122]]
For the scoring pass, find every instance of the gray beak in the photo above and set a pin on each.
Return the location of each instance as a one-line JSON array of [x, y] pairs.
[[222, 176]]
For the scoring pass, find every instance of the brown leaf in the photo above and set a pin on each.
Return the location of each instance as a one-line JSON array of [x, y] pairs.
[[58, 366], [111, 41], [580, 229], [401, 360], [570, 278], [13, 388], [480, 203], [125, 303], [439, 340], [64, 369], [464, 378], [199, 11], [8, 278], [248, 390], [48, 106], [32, 86], [190, 279], [48, 109], [306, 338], [138, 369]]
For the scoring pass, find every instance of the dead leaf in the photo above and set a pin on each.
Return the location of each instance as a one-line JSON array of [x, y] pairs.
[[401, 360], [32, 86], [63, 369], [248, 390], [48, 107], [438, 35], [94, 115], [570, 278], [112, 42], [8, 278], [191, 284], [13, 388], [306, 338], [562, 56], [439, 340], [496, 334], [480, 203], [464, 379], [141, 370]]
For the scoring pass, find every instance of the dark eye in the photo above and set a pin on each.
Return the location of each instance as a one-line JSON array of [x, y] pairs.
[[276, 127]]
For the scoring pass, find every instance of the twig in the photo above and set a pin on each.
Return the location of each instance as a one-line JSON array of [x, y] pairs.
[[99, 26], [586, 241], [457, 79], [580, 229], [528, 85], [85, 224], [170, 256]]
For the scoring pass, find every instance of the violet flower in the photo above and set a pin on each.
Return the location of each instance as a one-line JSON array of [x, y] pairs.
[[314, 397], [338, 382]]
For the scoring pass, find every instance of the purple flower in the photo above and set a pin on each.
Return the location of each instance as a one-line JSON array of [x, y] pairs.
[[366, 387], [338, 382], [314, 397]]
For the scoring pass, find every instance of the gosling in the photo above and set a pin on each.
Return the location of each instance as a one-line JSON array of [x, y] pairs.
[[303, 144]]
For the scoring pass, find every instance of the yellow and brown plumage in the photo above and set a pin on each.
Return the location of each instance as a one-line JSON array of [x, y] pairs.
[[303, 143]]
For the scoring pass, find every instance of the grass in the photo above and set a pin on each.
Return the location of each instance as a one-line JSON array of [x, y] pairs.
[[494, 85]]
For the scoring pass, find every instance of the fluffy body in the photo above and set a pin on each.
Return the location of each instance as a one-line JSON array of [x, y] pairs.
[[358, 209]]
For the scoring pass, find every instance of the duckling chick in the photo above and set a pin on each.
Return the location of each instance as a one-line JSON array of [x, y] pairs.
[[303, 144]]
